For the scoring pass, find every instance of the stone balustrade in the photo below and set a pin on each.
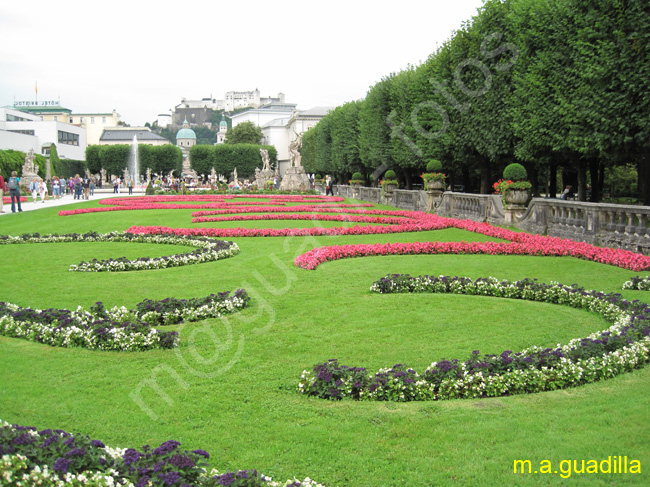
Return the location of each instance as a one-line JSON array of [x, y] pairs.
[[618, 226]]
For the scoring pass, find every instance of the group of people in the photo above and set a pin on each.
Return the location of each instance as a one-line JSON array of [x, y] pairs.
[[79, 187]]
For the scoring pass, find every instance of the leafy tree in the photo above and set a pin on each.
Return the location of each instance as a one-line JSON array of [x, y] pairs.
[[244, 133], [93, 158]]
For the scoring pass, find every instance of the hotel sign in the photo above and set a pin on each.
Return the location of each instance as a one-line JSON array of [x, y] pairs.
[[43, 103]]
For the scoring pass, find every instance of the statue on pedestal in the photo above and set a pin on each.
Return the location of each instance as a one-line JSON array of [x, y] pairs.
[[294, 150]]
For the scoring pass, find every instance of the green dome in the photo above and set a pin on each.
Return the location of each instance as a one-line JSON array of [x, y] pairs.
[[186, 134]]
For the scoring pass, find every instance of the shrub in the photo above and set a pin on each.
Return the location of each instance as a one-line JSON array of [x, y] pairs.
[[390, 174], [515, 172], [150, 191], [434, 165], [357, 176]]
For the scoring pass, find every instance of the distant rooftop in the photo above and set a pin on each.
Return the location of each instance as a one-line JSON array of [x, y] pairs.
[[315, 112], [126, 134]]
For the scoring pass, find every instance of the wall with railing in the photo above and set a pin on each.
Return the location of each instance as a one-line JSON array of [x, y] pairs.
[[610, 225]]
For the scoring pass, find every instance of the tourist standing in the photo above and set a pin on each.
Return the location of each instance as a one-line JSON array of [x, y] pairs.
[[56, 188], [92, 186], [14, 191], [78, 186], [42, 190], [129, 185]]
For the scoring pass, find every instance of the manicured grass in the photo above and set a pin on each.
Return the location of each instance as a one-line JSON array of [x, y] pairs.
[[229, 387]]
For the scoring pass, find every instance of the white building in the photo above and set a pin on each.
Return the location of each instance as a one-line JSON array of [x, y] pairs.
[[24, 131], [95, 123], [280, 122]]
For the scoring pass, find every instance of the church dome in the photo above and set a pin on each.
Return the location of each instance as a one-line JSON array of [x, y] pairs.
[[186, 134]]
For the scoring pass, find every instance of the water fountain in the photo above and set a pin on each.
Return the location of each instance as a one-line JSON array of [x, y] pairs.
[[134, 165]]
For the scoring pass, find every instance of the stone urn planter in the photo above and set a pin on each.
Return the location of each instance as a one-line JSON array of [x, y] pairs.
[[516, 197], [355, 190], [389, 188], [436, 185]]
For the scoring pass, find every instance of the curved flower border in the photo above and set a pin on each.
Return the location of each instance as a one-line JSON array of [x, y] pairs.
[[519, 244], [209, 250], [57, 458], [118, 328], [621, 348]]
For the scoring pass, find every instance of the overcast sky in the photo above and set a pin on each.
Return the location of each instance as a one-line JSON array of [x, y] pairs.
[[141, 57]]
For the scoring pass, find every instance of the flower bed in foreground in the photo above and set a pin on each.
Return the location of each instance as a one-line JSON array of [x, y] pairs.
[[115, 329], [57, 458], [621, 348], [209, 250]]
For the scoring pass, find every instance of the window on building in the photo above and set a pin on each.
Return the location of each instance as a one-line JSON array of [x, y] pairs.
[[68, 138], [81, 120], [25, 132], [56, 118], [71, 120], [103, 119]]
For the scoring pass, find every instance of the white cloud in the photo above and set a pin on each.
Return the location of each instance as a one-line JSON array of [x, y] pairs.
[[142, 57]]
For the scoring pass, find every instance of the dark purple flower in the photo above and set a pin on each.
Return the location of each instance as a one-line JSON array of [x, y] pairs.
[[131, 456], [77, 452], [24, 439], [203, 453], [181, 461], [61, 465], [166, 447], [169, 478], [98, 444], [142, 481], [226, 479]]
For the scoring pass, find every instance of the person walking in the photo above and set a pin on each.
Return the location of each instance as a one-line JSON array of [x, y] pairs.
[[33, 188], [85, 182], [129, 184], [3, 190], [14, 191], [92, 186], [329, 189]]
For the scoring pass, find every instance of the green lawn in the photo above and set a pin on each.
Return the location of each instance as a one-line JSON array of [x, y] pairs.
[[229, 387]]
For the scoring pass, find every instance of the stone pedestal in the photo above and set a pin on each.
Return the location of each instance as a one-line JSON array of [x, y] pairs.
[[262, 176], [355, 190], [514, 204], [434, 194], [295, 179]]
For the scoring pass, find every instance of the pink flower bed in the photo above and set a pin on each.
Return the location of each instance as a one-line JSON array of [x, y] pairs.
[[520, 244], [294, 216], [6, 200], [185, 202]]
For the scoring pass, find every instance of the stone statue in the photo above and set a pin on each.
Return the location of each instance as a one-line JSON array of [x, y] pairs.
[[294, 150], [265, 160], [29, 167], [148, 175], [234, 176]]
